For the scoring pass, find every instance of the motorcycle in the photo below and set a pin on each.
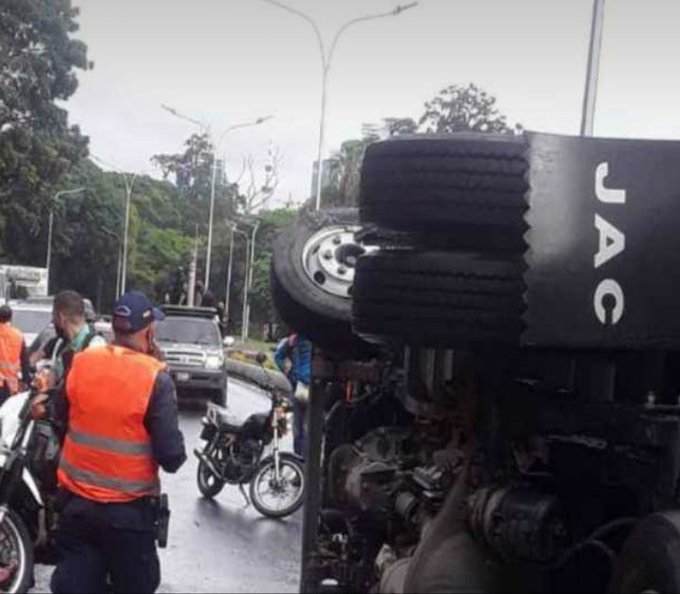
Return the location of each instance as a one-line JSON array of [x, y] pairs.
[[234, 454], [25, 510], [29, 455]]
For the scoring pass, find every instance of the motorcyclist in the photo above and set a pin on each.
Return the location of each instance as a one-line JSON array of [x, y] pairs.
[[72, 324]]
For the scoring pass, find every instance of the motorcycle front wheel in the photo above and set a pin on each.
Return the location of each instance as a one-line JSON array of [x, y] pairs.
[[278, 498], [208, 484], [16, 555]]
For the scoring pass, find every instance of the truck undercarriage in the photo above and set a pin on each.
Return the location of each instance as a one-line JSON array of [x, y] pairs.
[[486, 471]]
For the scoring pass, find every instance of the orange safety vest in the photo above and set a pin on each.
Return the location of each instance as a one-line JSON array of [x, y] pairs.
[[107, 453], [11, 343]]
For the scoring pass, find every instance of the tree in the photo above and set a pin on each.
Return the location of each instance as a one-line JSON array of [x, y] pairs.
[[463, 109], [37, 146], [191, 172], [255, 192], [454, 109], [271, 224]]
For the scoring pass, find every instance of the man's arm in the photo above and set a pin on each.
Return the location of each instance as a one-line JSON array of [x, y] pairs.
[[162, 423]]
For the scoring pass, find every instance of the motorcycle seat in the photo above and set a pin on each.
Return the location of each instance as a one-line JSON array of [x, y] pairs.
[[224, 419]]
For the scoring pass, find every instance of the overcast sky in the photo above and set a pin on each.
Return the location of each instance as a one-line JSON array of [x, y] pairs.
[[229, 61]]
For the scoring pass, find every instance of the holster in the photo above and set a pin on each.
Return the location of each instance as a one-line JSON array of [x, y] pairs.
[[162, 520]]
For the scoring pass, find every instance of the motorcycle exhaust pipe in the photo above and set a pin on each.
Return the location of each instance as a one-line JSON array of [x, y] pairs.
[[208, 462]]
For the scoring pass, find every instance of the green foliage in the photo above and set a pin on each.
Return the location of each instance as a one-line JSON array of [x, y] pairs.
[[454, 109], [463, 109], [37, 146], [157, 252]]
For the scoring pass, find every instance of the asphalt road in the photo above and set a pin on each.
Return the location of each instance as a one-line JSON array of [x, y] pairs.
[[221, 546]]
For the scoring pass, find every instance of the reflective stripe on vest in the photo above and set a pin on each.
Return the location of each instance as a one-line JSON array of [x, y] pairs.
[[117, 446], [11, 343], [107, 454], [99, 480]]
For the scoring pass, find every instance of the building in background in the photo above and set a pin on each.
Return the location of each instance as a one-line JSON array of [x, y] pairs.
[[326, 174]]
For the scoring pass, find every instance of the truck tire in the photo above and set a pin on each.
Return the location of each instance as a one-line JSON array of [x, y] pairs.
[[461, 191], [312, 279], [650, 558], [438, 299]]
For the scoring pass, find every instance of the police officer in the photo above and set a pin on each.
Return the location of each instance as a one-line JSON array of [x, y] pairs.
[[13, 356], [122, 425]]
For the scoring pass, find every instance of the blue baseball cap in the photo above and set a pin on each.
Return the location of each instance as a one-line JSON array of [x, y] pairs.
[[133, 312]]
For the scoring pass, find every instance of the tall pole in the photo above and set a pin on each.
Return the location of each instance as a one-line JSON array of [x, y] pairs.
[[244, 331], [119, 270], [49, 249], [229, 270], [191, 288], [326, 61], [322, 134], [249, 279], [128, 191], [50, 226], [210, 220], [593, 69]]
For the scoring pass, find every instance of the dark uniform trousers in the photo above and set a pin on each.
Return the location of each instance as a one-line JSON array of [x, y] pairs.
[[106, 547]]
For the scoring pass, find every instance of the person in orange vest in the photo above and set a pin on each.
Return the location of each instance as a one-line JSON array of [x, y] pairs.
[[13, 356], [121, 425]]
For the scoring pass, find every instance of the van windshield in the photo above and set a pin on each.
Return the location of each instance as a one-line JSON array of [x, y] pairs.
[[188, 330]]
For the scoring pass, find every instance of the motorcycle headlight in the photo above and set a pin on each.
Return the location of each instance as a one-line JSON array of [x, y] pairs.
[[214, 362]]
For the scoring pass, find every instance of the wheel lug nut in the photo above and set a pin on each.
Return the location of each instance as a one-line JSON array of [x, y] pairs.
[[337, 240], [328, 255], [342, 270]]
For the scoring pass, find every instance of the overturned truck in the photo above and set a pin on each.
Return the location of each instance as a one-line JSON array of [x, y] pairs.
[[496, 393]]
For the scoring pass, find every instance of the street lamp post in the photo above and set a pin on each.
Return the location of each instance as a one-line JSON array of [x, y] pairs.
[[213, 183], [129, 182], [250, 258], [56, 197], [129, 179], [326, 61], [229, 271]]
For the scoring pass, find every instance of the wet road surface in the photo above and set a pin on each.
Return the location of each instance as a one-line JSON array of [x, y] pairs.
[[221, 546]]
